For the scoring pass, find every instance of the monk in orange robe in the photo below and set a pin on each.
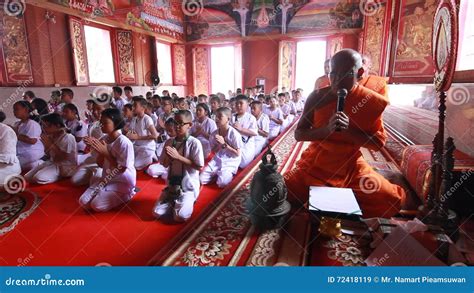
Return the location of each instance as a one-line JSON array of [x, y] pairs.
[[323, 81], [373, 82], [334, 158]]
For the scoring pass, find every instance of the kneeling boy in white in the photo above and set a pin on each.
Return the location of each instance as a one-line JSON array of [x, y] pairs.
[[143, 134], [226, 143], [263, 124], [61, 148], [116, 157], [158, 170], [184, 157], [246, 125]]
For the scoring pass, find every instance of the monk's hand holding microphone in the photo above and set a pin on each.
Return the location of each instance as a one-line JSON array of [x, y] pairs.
[[339, 121]]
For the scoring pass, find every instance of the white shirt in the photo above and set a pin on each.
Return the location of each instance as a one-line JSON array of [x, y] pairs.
[[122, 150], [79, 130], [232, 138], [67, 144], [246, 121], [32, 129], [140, 126], [8, 142], [263, 123], [208, 126], [119, 103], [277, 114]]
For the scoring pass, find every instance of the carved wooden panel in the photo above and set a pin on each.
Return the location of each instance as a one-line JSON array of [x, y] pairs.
[[286, 67], [179, 64], [15, 55], [125, 62], [79, 52], [201, 56]]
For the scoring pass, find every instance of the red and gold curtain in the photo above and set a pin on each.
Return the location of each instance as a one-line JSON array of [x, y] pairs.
[[79, 51], [201, 70], [179, 64], [125, 58], [286, 64]]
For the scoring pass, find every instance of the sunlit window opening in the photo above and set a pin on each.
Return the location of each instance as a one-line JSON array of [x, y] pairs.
[[222, 69], [99, 55], [310, 57], [163, 55]]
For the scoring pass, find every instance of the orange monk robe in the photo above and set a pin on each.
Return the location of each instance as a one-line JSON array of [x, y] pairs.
[[376, 83], [337, 160], [322, 82]]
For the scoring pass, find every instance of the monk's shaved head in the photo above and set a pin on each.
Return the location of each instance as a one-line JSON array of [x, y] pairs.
[[345, 56]]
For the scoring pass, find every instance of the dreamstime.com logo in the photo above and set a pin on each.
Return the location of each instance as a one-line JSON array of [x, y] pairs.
[[369, 7], [15, 184], [192, 7], [14, 7], [369, 184], [101, 95], [458, 95]]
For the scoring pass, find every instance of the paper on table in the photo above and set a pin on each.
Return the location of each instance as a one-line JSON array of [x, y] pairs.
[[331, 199], [400, 249]]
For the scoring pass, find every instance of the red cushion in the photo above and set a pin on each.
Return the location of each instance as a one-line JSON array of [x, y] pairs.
[[416, 162]]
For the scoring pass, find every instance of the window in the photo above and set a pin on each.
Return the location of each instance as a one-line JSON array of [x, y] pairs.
[[223, 69], [310, 57], [466, 38], [163, 55], [99, 55]]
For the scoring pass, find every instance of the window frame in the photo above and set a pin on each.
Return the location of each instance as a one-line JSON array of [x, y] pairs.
[[231, 44], [171, 60], [113, 45]]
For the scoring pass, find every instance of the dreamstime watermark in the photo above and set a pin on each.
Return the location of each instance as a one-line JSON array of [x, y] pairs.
[[17, 94], [369, 184], [102, 95], [14, 7], [192, 7], [369, 7], [15, 184], [464, 177], [25, 261], [106, 180], [103, 264], [361, 104], [458, 95], [275, 190], [380, 261]]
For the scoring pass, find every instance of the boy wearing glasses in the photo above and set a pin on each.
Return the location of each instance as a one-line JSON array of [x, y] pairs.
[[226, 143], [183, 156]]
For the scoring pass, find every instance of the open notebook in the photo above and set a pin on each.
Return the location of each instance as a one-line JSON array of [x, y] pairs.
[[334, 202]]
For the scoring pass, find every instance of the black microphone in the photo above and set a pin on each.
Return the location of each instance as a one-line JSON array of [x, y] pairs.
[[341, 97]]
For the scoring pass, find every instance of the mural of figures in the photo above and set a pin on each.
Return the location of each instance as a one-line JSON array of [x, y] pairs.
[[413, 52], [323, 15], [211, 23], [160, 16]]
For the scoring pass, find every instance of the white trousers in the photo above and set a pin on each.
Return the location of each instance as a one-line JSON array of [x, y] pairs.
[[247, 153], [144, 156], [157, 170], [103, 200], [29, 160], [182, 208], [46, 172], [260, 143], [8, 170], [217, 167], [85, 171], [274, 131]]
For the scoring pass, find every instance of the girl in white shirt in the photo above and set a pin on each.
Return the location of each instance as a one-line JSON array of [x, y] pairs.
[[29, 148], [75, 126], [61, 148], [203, 126], [116, 156], [9, 164]]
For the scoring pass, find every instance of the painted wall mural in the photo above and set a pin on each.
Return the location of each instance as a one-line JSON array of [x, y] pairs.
[[286, 60], [201, 70], [179, 64], [412, 56], [327, 14], [159, 16], [211, 23], [15, 56]]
